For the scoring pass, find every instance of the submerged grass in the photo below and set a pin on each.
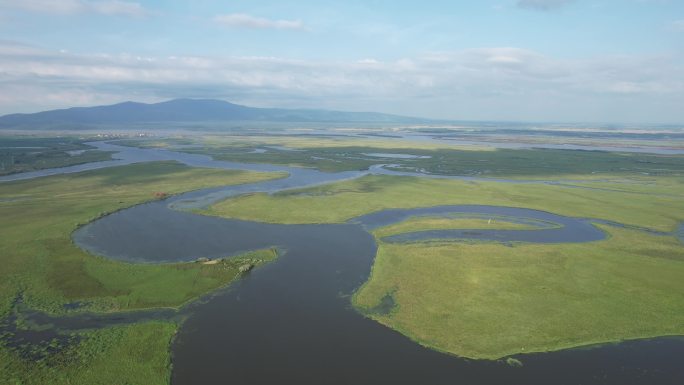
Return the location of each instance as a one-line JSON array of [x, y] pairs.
[[131, 354]]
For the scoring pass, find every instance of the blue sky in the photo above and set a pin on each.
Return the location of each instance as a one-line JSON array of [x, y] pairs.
[[535, 60]]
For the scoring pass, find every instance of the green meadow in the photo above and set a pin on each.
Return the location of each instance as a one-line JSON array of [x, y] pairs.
[[488, 300], [424, 223]]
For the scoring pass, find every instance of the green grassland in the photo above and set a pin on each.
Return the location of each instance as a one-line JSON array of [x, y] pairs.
[[22, 154], [487, 300], [294, 141], [342, 201], [423, 223]]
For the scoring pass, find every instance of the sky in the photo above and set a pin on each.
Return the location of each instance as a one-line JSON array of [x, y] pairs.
[[608, 61]]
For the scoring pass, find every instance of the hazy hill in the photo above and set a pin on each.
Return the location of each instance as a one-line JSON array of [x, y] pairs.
[[186, 110]]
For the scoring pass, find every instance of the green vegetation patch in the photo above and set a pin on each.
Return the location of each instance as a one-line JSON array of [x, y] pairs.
[[424, 223], [345, 153], [40, 260], [22, 154], [486, 300], [131, 354], [661, 209]]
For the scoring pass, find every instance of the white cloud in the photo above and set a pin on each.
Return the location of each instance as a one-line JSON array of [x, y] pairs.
[[677, 25], [115, 7], [368, 61], [543, 5], [485, 83], [71, 7], [241, 20]]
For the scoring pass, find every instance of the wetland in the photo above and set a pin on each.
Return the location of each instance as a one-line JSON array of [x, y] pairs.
[[335, 268]]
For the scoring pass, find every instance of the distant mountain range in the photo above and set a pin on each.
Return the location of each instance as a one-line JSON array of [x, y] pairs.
[[186, 110]]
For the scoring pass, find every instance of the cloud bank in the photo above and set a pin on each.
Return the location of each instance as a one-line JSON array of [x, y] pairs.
[[241, 20], [485, 83], [543, 5], [72, 7], [677, 25]]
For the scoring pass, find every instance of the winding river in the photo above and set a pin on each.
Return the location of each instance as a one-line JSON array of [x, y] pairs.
[[291, 321]]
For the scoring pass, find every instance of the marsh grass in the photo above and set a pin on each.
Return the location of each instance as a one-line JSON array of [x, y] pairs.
[[487, 300], [424, 223], [40, 260], [131, 354]]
